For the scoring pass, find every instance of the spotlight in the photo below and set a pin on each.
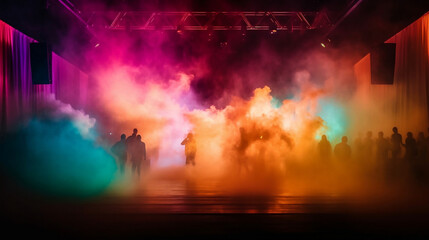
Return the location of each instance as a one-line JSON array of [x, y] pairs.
[[210, 33], [326, 43], [273, 28], [243, 29], [180, 29], [273, 25], [223, 38]]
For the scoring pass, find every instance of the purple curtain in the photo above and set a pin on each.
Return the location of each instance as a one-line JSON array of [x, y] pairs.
[[19, 97]]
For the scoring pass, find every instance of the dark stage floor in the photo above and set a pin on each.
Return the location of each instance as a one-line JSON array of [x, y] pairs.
[[173, 209]]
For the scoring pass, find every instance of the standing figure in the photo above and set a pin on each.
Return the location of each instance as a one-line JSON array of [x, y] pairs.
[[421, 147], [396, 141], [130, 143], [382, 153], [368, 146], [410, 148], [342, 150], [324, 148], [132, 137], [138, 152], [421, 165], [241, 150], [120, 151], [190, 149], [427, 148], [358, 147], [382, 148]]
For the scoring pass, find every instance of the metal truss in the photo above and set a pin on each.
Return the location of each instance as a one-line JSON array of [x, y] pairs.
[[212, 21]]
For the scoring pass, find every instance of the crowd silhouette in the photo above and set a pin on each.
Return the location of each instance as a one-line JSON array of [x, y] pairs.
[[131, 149], [386, 154]]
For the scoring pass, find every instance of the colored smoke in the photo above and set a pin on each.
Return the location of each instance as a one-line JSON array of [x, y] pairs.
[[56, 154]]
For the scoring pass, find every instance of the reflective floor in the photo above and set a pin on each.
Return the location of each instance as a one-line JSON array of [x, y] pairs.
[[172, 208], [183, 197]]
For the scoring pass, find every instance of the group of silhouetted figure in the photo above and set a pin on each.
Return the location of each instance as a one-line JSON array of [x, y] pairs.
[[387, 152], [131, 149]]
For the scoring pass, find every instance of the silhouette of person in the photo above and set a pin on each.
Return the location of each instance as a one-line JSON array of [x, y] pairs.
[[427, 148], [382, 153], [368, 146], [138, 154], [421, 147], [410, 147], [241, 150], [342, 150], [382, 147], [427, 139], [190, 149], [324, 148], [132, 137], [396, 141], [421, 165], [120, 151], [359, 147], [130, 143]]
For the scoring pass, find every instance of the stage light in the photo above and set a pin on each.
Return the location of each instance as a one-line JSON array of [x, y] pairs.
[[243, 29], [223, 38], [273, 28], [94, 42], [326, 43], [180, 29], [210, 33]]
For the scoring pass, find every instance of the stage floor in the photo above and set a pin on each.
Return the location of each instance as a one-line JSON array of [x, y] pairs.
[[180, 208]]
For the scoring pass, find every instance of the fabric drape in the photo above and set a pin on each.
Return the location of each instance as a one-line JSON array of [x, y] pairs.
[[19, 97], [405, 103]]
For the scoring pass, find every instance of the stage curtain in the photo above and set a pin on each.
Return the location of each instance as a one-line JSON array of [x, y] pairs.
[[404, 104], [19, 97]]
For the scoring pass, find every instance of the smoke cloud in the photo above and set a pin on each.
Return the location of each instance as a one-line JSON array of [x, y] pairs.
[[257, 108], [56, 153]]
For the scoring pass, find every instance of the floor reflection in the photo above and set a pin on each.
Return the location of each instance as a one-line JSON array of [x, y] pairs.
[[185, 196]]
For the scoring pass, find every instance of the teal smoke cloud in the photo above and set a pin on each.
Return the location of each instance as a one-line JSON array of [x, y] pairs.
[[53, 157]]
